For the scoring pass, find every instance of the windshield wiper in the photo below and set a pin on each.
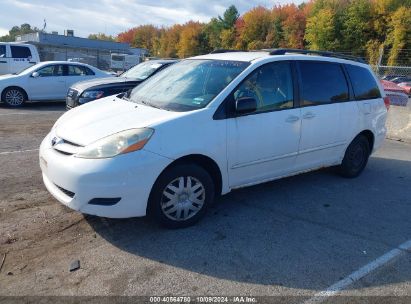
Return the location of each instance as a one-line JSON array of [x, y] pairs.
[[149, 104]]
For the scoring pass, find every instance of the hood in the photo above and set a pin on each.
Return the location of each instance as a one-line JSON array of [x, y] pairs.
[[84, 85], [90, 122], [6, 77]]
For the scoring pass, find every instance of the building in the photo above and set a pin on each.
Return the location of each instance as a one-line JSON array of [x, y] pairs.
[[68, 47]]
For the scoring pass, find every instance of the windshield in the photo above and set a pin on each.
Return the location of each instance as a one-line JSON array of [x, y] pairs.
[[187, 85], [143, 70]]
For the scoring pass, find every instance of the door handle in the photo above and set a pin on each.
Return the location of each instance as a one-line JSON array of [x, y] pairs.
[[292, 118], [309, 115]]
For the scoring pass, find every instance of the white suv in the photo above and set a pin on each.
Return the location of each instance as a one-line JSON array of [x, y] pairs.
[[211, 124], [15, 57]]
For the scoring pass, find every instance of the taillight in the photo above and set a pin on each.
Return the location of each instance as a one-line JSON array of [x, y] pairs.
[[387, 102]]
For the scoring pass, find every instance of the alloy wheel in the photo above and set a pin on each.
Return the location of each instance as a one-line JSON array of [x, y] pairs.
[[14, 97]]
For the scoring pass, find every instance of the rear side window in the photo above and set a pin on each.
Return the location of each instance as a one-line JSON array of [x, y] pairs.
[[3, 51], [364, 84], [78, 70], [322, 83], [20, 51]]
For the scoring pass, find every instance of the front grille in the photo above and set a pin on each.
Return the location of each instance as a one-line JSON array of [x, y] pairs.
[[71, 143], [64, 146], [65, 191]]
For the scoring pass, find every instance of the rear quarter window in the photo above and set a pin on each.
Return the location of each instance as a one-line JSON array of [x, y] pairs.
[[363, 83], [88, 71]]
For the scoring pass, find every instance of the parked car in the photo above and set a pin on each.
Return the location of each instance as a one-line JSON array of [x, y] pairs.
[[390, 77], [211, 124], [15, 57], [87, 91], [395, 93], [392, 86], [45, 81], [401, 79], [406, 86]]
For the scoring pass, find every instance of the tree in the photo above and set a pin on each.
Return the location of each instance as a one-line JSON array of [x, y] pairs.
[[169, 41], [213, 30], [101, 36], [191, 40], [213, 33], [275, 34], [227, 37], [19, 30], [400, 35], [254, 30], [145, 36], [127, 36], [382, 10], [230, 17], [357, 26], [293, 26], [320, 31]]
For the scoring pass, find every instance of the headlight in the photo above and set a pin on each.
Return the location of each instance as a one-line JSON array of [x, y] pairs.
[[92, 94], [119, 143]]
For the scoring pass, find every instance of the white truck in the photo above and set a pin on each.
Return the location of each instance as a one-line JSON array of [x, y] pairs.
[[15, 57]]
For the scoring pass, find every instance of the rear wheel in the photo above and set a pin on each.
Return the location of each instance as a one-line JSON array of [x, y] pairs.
[[14, 97], [356, 157], [181, 196]]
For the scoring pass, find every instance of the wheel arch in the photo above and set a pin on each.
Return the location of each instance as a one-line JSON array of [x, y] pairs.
[[370, 137], [205, 162], [13, 87]]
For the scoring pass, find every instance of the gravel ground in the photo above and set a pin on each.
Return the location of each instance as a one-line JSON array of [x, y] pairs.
[[291, 237]]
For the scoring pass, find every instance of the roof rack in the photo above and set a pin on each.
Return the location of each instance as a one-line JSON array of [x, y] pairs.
[[218, 51], [319, 53]]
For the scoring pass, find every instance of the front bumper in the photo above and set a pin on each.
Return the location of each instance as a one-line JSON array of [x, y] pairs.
[[75, 181]]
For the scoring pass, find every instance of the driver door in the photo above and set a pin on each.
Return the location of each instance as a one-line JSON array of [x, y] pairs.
[[49, 84], [264, 144]]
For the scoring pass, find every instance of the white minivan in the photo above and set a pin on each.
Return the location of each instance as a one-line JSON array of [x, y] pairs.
[[15, 57], [211, 124]]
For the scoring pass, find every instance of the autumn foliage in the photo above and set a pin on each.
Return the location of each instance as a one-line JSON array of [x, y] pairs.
[[359, 27]]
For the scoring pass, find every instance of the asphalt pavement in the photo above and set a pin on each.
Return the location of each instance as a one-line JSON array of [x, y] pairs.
[[293, 237]]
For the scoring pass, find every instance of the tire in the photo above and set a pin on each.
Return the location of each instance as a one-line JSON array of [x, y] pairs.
[[173, 203], [356, 157], [14, 97]]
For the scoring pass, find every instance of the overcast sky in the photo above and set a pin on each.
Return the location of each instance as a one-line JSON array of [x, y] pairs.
[[114, 16]]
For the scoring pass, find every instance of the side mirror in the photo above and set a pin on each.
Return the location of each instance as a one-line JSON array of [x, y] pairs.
[[35, 74], [245, 105]]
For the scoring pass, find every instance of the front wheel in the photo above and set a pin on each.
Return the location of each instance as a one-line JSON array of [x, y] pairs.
[[356, 157], [181, 196], [14, 97]]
